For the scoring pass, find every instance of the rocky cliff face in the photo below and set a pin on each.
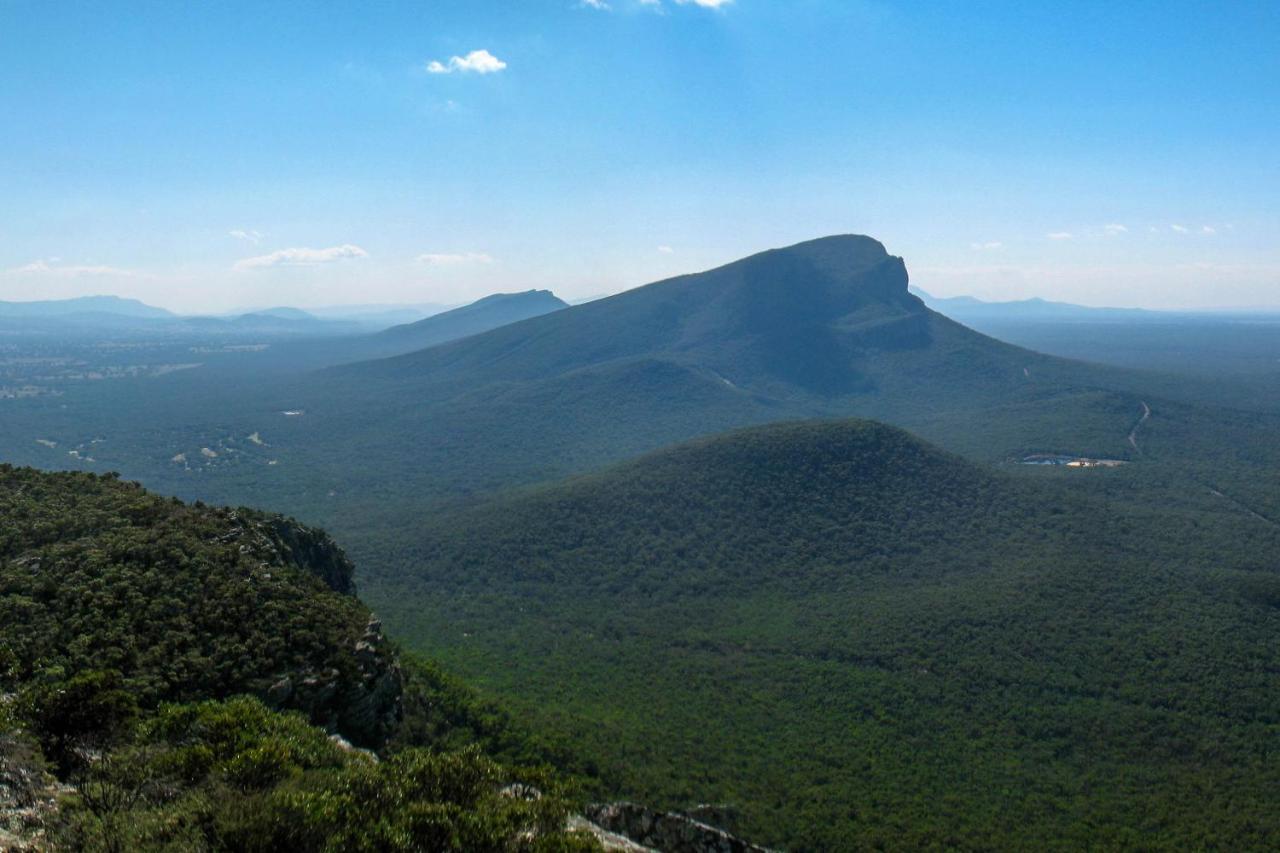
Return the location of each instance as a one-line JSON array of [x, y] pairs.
[[361, 702], [365, 707], [282, 541]]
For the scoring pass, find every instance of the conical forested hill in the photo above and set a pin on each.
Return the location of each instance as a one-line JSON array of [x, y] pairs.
[[857, 640]]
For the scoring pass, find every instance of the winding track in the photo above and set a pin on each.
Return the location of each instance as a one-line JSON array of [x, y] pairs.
[[1133, 433]]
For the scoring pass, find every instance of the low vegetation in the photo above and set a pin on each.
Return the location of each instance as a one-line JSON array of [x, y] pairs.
[[140, 639]]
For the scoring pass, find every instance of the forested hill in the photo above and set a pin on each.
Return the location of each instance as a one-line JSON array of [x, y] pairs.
[[725, 514], [181, 667], [183, 602], [863, 642]]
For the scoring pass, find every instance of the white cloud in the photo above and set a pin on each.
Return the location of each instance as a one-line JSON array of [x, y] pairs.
[[477, 61], [1208, 229], [1059, 235], [246, 234], [666, 250], [594, 4], [1115, 228], [454, 259], [301, 257], [989, 246], [1181, 229], [51, 267]]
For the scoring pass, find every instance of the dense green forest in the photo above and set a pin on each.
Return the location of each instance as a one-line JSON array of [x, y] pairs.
[[861, 641], [144, 645]]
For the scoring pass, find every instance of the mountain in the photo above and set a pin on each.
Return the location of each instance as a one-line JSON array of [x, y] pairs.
[[283, 312], [278, 321], [113, 305], [823, 328], [799, 315], [856, 640], [482, 315]]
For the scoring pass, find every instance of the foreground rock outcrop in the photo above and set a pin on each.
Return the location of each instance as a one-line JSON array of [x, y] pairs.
[[28, 795]]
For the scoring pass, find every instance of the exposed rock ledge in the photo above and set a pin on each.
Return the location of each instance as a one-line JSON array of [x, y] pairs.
[[365, 709], [668, 832], [28, 795]]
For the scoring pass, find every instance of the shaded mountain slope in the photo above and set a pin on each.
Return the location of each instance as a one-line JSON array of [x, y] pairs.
[[799, 316], [824, 324], [856, 639], [482, 315]]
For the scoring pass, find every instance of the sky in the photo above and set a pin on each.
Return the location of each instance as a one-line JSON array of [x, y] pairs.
[[210, 156]]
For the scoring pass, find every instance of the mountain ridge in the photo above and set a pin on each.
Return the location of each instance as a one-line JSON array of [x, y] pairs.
[[103, 304]]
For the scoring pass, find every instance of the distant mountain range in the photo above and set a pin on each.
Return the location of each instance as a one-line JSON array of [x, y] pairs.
[[406, 327], [967, 308], [113, 305], [970, 310]]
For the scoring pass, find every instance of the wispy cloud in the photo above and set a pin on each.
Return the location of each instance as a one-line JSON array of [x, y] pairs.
[[454, 259], [475, 62], [1181, 229], [1059, 235], [594, 4], [301, 257], [1208, 229], [52, 267], [657, 5], [989, 246], [246, 234], [666, 250], [1115, 228]]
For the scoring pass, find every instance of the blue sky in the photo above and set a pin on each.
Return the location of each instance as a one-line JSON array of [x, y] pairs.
[[207, 156]]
